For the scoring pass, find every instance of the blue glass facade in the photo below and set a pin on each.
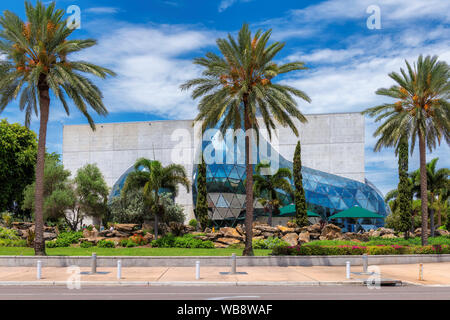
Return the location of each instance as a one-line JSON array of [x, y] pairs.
[[326, 194]]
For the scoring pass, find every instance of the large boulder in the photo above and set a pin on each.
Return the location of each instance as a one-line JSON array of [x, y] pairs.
[[50, 236], [382, 231], [265, 228], [388, 236], [315, 228], [304, 237], [22, 225], [230, 233], [241, 230], [285, 230], [418, 232], [330, 232], [440, 232], [228, 241], [356, 236], [291, 238], [126, 227]]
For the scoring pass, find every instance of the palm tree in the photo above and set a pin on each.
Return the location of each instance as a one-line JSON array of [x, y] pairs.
[[36, 67], [437, 184], [236, 86], [267, 187], [421, 112], [151, 177]]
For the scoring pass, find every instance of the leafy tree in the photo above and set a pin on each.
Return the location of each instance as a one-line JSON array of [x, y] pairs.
[[36, 67], [173, 212], [301, 213], [129, 207], [18, 149], [151, 180], [267, 187], [404, 187], [201, 207], [236, 86], [58, 193], [437, 183], [421, 112]]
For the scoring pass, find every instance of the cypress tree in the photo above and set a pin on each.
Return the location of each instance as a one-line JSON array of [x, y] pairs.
[[404, 187], [201, 207], [301, 217]]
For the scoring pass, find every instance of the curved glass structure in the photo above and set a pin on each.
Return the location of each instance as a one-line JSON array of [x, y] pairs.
[[326, 194]]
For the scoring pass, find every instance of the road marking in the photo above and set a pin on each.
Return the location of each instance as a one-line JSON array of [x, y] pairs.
[[234, 297]]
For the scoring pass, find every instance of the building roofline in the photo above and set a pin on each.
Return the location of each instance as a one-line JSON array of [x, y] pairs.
[[165, 120]]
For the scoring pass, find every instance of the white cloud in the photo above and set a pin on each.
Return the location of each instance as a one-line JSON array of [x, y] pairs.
[[225, 4], [102, 10], [151, 64]]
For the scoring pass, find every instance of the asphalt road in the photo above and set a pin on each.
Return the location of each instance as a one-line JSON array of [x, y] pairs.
[[223, 293]]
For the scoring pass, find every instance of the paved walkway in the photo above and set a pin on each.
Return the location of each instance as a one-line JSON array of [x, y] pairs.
[[434, 274]]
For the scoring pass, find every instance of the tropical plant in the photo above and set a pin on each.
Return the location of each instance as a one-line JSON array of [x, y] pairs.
[[239, 84], [421, 112], [150, 176], [267, 187], [301, 213], [129, 207], [438, 184], [36, 67]]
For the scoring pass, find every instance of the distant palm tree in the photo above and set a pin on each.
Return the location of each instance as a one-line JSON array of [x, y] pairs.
[[421, 112], [35, 64], [437, 184], [236, 86], [267, 187], [151, 177]]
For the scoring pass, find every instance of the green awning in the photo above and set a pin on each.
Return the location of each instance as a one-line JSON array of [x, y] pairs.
[[356, 212], [291, 209]]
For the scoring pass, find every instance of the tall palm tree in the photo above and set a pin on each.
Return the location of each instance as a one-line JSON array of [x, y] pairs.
[[437, 183], [267, 187], [35, 68], [151, 177], [421, 112], [238, 85]]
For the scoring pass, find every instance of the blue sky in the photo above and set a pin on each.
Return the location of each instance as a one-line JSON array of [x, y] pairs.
[[150, 44]]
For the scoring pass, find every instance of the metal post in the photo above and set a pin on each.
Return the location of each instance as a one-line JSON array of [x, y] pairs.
[[197, 270], [119, 269], [94, 263], [421, 272], [365, 262], [39, 270], [347, 269], [233, 263]]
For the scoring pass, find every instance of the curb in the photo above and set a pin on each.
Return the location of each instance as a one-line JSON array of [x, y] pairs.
[[185, 283]]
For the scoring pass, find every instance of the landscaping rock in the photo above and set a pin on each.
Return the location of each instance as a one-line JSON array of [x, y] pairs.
[[285, 230], [241, 230], [220, 245], [330, 232], [364, 237], [291, 238], [230, 233], [266, 228], [388, 236], [440, 232], [49, 236], [22, 225], [256, 232], [304, 237], [126, 227], [315, 228], [228, 241]]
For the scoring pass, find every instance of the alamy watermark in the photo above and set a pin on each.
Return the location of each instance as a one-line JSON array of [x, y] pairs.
[[374, 20]]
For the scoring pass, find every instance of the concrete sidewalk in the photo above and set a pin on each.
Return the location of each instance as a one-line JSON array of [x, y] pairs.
[[434, 274]]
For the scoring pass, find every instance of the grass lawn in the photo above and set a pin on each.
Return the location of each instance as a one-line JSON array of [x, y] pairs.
[[75, 251], [373, 241]]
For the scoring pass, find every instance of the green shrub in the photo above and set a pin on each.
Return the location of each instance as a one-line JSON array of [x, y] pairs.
[[193, 223], [7, 218], [268, 243], [86, 244], [70, 237], [13, 243], [187, 241], [10, 234], [106, 244], [123, 242], [131, 244]]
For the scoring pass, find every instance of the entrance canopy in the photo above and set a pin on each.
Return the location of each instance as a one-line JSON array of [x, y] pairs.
[[290, 209], [356, 212]]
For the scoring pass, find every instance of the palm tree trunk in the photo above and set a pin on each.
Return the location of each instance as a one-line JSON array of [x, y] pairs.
[[431, 217], [269, 221], [44, 105], [423, 188], [439, 217], [248, 250]]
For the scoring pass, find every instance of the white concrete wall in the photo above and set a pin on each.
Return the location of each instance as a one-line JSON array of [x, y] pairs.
[[330, 142]]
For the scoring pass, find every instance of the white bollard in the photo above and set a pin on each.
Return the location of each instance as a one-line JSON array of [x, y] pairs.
[[119, 269], [197, 270], [347, 269], [39, 270], [365, 262], [94, 263]]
